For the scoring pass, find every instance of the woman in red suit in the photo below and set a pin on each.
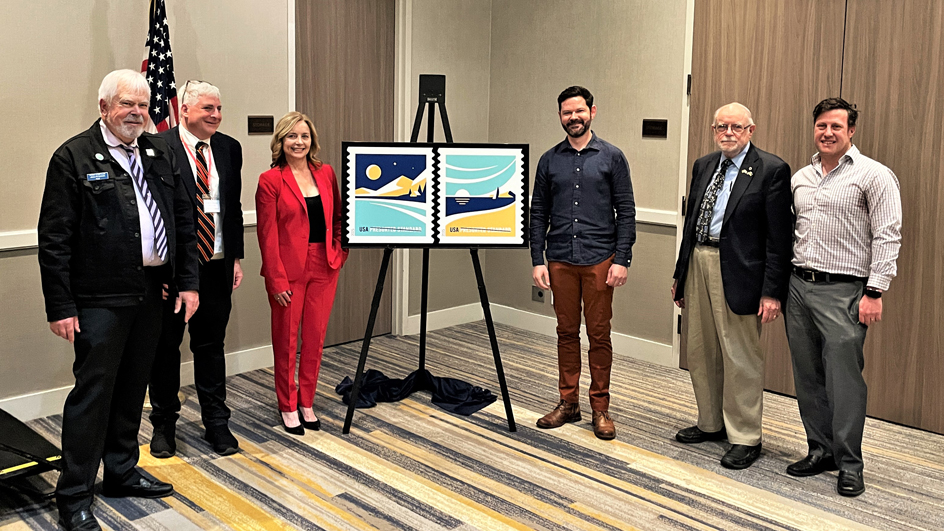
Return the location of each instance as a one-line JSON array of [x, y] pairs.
[[299, 229]]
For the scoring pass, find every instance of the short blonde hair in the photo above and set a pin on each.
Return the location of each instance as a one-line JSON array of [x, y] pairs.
[[283, 128]]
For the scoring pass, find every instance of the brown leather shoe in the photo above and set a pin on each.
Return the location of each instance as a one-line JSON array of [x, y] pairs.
[[564, 412], [603, 426]]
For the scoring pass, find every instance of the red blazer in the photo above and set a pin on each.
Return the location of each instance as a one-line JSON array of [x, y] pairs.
[[282, 224]]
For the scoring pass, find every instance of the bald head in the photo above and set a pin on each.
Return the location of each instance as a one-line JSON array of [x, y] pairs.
[[735, 108], [733, 126]]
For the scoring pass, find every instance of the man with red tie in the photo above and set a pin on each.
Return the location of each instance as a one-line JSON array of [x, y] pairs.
[[114, 226], [210, 165]]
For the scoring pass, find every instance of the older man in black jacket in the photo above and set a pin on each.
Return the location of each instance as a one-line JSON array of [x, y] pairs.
[[115, 224], [732, 274]]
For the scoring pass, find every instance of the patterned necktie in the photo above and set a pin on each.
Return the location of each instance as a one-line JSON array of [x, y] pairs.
[[160, 236], [206, 228], [708, 203]]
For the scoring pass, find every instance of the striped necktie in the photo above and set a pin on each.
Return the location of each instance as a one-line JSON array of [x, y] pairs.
[[160, 236], [708, 203], [206, 228]]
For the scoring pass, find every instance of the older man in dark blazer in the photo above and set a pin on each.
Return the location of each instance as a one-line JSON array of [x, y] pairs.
[[114, 226], [210, 165], [732, 274]]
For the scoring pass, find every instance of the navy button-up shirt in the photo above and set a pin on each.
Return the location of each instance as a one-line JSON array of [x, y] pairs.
[[582, 206]]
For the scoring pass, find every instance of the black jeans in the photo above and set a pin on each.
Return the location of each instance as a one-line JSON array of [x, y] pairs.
[[207, 333], [102, 415]]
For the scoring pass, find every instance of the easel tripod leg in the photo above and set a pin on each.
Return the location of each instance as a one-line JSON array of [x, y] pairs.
[[493, 339], [365, 346]]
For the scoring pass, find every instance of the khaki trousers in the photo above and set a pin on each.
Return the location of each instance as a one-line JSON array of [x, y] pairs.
[[574, 286], [725, 360]]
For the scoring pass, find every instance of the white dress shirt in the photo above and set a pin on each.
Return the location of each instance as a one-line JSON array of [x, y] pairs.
[[149, 256], [189, 141]]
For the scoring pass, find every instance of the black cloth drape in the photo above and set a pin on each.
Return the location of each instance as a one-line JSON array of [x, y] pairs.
[[455, 396]]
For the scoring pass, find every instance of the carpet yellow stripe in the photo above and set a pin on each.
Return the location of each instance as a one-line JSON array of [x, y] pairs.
[[757, 501], [539, 508], [450, 503], [228, 507], [602, 485], [605, 518], [278, 486]]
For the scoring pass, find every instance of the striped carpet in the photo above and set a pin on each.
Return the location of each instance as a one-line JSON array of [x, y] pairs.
[[410, 465]]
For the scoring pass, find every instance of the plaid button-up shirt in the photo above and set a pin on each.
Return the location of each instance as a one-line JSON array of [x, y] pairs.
[[848, 221]]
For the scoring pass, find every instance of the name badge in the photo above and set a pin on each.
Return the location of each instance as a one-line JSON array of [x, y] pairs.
[[96, 176], [211, 206]]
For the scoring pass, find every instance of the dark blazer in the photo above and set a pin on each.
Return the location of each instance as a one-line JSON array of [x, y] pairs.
[[756, 234], [283, 227], [89, 241], [228, 156]]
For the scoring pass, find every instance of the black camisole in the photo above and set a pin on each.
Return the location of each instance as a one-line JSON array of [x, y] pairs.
[[316, 220]]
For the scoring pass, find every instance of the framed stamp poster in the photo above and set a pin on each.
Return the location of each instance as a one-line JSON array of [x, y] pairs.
[[434, 195]]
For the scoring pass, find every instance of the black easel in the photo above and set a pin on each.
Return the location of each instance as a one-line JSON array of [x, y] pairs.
[[432, 91]]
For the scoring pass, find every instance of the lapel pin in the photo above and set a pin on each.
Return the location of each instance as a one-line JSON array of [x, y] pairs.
[[150, 152], [748, 172], [99, 156]]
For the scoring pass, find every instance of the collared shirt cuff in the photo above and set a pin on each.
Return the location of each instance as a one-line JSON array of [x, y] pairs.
[[622, 260], [879, 281]]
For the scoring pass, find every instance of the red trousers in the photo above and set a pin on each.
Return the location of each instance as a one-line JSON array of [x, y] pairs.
[[573, 285], [312, 299]]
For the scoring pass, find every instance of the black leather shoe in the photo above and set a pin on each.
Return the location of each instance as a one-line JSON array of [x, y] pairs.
[[694, 435], [294, 430], [80, 521], [164, 441], [139, 488], [221, 439], [812, 465], [740, 456], [314, 426], [850, 483]]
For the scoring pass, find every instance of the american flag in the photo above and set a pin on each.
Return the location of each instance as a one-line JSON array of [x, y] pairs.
[[158, 67]]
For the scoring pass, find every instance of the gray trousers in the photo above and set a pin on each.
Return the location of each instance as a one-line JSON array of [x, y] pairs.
[[826, 339]]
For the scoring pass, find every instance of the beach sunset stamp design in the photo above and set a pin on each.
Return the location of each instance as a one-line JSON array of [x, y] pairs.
[[481, 200], [388, 191]]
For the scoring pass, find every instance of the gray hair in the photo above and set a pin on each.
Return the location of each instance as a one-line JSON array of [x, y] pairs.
[[125, 79], [193, 90]]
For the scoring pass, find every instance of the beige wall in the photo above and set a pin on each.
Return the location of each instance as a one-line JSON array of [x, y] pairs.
[[630, 54], [451, 38], [54, 56]]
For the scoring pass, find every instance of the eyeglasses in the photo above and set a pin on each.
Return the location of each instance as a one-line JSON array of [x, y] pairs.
[[735, 128], [187, 84]]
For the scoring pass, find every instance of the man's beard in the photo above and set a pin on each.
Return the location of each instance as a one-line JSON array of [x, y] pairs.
[[130, 130], [578, 132]]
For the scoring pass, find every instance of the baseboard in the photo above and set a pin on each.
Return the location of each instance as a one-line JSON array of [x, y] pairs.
[[457, 315], [642, 349], [44, 403], [635, 347]]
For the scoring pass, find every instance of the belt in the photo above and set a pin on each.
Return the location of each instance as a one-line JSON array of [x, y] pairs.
[[710, 242], [811, 275]]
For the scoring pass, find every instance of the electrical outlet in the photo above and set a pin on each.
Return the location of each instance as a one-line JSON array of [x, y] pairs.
[[537, 294]]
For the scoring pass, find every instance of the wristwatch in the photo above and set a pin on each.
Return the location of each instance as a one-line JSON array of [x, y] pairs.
[[873, 293]]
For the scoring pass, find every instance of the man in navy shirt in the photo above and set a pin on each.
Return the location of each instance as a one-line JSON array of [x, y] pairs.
[[584, 219]]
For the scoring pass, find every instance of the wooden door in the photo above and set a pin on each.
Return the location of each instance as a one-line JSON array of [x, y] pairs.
[[344, 65], [893, 72], [779, 59]]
